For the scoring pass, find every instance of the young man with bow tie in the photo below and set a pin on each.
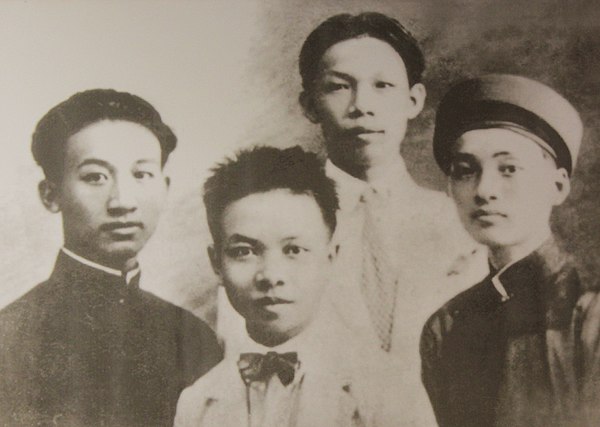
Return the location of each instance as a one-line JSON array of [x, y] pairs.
[[88, 346], [272, 213]]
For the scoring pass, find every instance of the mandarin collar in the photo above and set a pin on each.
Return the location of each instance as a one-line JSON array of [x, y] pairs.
[[540, 265], [542, 289], [127, 277], [72, 269]]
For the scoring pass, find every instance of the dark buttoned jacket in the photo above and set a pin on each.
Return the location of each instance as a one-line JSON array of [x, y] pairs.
[[488, 361], [83, 348]]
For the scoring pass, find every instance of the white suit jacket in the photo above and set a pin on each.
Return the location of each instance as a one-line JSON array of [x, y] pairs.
[[343, 385]]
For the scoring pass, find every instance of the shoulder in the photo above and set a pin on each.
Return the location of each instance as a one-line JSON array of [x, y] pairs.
[[197, 343], [435, 204], [30, 309], [458, 308], [219, 382], [383, 392], [208, 384], [177, 316]]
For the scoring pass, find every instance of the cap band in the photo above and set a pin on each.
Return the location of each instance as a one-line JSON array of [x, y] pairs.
[[487, 114]]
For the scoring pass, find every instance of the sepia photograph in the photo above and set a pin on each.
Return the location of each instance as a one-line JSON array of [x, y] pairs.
[[285, 213]]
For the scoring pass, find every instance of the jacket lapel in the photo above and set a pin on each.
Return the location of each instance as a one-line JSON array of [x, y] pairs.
[[225, 402], [328, 400]]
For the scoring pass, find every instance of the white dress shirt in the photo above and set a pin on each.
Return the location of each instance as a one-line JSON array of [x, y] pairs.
[[435, 260]]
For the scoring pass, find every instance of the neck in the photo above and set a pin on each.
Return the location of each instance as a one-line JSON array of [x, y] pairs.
[[267, 337], [502, 256], [376, 172], [379, 171]]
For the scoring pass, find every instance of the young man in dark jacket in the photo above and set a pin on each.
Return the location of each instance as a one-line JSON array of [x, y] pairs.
[[88, 346], [510, 350]]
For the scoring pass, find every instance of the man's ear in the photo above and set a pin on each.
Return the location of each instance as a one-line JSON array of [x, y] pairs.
[[48, 192], [418, 93], [308, 107], [215, 259], [563, 186]]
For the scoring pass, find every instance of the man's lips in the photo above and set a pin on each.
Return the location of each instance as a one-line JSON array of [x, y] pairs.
[[360, 130], [268, 301], [487, 213], [122, 226]]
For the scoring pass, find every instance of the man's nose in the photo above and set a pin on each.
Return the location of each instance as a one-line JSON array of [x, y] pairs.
[[488, 186], [362, 101], [122, 197], [271, 272]]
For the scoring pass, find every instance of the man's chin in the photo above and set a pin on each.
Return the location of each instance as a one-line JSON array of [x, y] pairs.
[[121, 251]]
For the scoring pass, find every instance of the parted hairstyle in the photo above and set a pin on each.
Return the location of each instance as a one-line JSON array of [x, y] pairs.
[[86, 108], [262, 169], [344, 27]]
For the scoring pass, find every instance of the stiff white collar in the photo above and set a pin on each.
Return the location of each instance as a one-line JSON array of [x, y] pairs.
[[350, 189]]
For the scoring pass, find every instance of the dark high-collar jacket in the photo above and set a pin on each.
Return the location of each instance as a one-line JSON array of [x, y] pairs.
[[85, 349], [520, 362]]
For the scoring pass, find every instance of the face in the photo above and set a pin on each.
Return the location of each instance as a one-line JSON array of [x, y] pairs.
[[363, 101], [112, 191], [273, 260], [505, 186]]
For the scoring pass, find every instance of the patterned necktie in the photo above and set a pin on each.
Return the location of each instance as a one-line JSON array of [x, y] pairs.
[[379, 277], [260, 367]]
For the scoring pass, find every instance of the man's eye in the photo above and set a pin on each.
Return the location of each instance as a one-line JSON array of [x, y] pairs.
[[330, 87], [143, 175], [95, 178], [462, 171], [293, 250], [239, 252], [383, 85], [508, 170]]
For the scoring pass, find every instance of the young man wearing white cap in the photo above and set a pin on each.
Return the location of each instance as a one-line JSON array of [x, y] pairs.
[[509, 351]]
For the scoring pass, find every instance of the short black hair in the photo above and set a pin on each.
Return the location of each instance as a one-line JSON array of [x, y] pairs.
[[88, 107], [261, 169], [344, 27]]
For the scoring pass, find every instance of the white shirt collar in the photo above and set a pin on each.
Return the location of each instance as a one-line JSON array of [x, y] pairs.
[[312, 344], [114, 272], [350, 189], [296, 344]]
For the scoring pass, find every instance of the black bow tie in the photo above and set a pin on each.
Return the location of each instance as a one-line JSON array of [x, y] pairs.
[[260, 367]]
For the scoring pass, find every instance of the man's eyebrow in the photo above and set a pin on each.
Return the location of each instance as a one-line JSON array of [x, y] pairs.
[[502, 153], [147, 161], [97, 162], [239, 238], [339, 74]]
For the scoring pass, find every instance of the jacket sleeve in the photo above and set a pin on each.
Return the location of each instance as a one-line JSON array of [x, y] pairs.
[[431, 372], [186, 414], [589, 306]]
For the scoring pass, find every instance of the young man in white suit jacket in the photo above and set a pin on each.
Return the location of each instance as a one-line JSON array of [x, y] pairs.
[[272, 214]]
